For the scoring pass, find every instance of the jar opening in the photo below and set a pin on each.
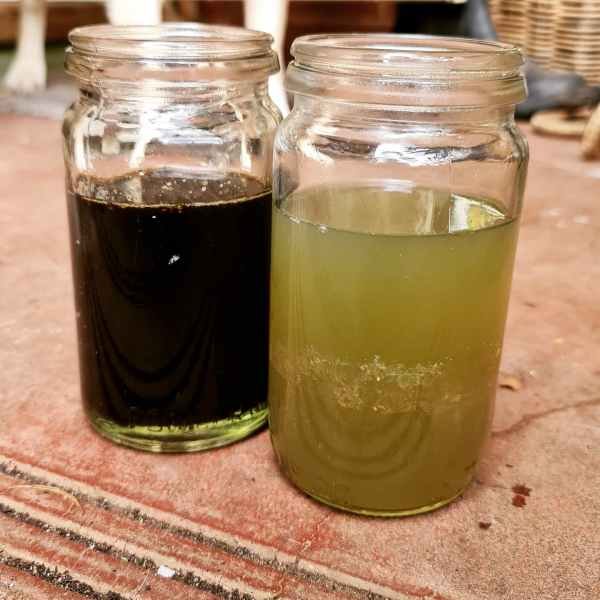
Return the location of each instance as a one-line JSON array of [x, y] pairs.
[[180, 52], [433, 71], [171, 41]]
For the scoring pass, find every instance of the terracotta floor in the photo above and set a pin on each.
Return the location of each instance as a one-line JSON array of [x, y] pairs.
[[79, 516]]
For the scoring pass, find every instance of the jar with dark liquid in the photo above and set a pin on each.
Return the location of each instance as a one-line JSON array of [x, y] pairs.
[[168, 155], [397, 193]]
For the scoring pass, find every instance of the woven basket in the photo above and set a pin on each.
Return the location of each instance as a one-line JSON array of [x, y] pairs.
[[559, 34]]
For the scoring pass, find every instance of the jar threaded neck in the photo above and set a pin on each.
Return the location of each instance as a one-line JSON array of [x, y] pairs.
[[432, 72]]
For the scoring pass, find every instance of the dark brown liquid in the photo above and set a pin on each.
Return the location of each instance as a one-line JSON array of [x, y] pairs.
[[171, 297]]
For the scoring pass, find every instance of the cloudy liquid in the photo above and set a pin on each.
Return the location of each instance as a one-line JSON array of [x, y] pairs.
[[387, 316]]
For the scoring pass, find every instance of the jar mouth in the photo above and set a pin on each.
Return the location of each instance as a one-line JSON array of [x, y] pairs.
[[389, 54], [187, 41], [174, 55], [436, 71]]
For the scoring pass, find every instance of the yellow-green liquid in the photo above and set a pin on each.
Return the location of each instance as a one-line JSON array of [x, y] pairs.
[[388, 306]]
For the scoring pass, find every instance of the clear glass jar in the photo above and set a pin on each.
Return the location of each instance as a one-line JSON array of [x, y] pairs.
[[397, 187], [168, 152]]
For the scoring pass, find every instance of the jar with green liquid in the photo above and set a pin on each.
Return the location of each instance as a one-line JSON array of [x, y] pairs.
[[398, 183]]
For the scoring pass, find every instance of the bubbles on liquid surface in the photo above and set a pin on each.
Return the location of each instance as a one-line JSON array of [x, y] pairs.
[[167, 187]]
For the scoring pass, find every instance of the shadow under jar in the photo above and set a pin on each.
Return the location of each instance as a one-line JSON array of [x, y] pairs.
[[398, 183], [168, 150]]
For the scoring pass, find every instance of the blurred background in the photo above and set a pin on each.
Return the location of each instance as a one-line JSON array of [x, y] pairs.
[[559, 37], [558, 33], [303, 17]]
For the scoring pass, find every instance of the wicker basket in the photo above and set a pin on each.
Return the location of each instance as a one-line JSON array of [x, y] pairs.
[[560, 34]]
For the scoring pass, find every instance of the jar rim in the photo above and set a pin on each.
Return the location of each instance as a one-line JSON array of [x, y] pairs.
[[168, 57], [384, 52], [168, 41], [432, 71]]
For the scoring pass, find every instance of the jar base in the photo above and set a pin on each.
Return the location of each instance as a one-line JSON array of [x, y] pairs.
[[365, 512], [195, 439]]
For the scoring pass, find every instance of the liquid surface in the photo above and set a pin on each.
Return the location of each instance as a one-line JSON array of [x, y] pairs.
[[171, 288], [388, 307]]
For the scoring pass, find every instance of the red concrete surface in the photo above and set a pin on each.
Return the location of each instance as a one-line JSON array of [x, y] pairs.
[[80, 516]]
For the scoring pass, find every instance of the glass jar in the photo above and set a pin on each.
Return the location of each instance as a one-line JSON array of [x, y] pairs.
[[168, 153], [397, 187]]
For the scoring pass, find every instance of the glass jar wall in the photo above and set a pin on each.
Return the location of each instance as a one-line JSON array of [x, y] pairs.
[[168, 152], [398, 183]]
